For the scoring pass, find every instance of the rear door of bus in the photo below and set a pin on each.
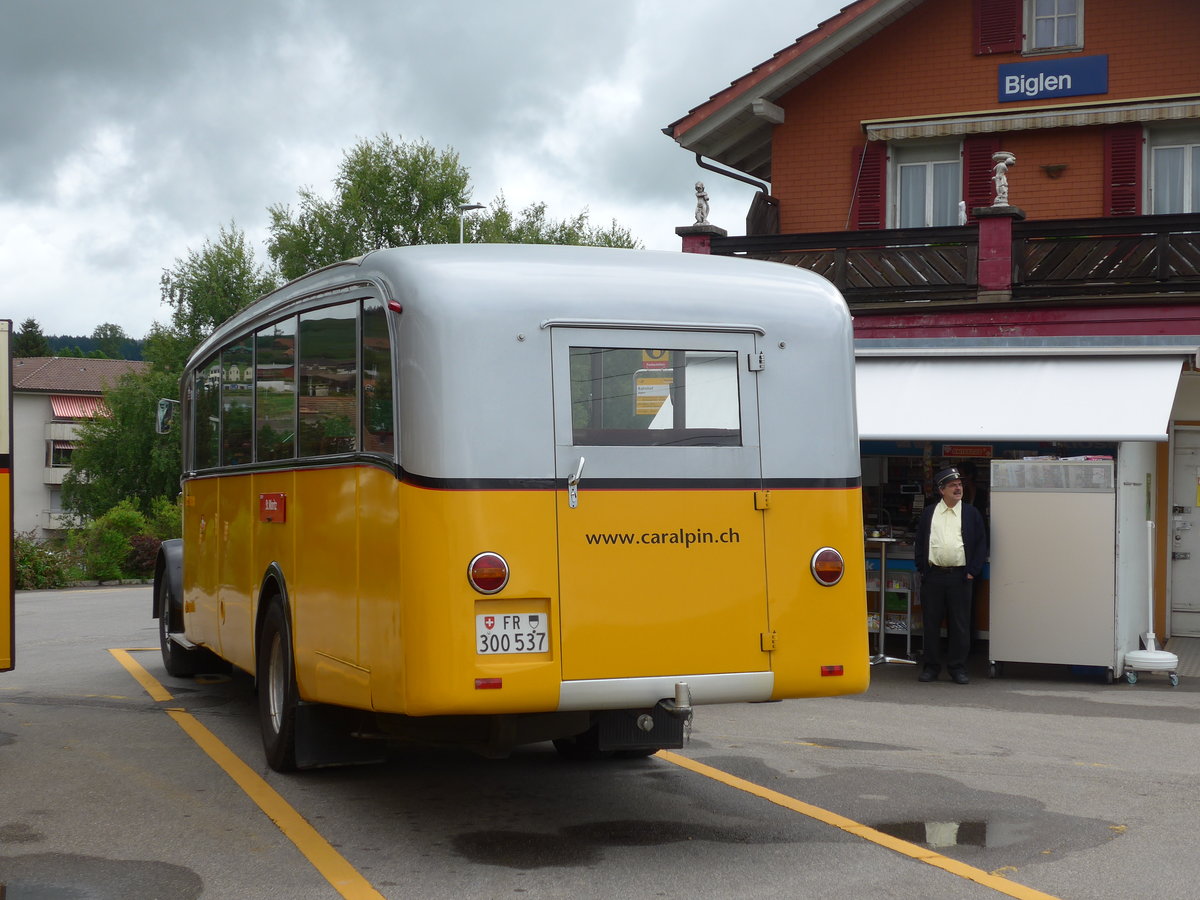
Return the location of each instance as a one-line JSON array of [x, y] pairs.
[[661, 557]]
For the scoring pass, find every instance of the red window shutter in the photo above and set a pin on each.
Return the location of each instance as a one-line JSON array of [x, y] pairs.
[[997, 26], [870, 187], [1123, 170], [978, 189]]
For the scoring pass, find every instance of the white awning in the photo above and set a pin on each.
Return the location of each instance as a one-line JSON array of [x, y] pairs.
[[1028, 118], [1106, 398]]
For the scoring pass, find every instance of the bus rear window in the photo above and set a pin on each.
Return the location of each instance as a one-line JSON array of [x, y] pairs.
[[654, 398]]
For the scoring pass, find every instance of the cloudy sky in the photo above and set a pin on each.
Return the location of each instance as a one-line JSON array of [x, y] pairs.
[[134, 129]]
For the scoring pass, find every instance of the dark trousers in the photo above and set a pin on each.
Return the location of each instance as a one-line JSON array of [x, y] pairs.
[[946, 594]]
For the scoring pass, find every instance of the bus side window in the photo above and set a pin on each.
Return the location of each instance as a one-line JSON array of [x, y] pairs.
[[378, 428], [237, 404], [329, 380], [206, 408], [275, 391]]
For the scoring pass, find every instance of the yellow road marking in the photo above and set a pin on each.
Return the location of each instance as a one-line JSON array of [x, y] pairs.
[[342, 876], [921, 854], [347, 881], [149, 683]]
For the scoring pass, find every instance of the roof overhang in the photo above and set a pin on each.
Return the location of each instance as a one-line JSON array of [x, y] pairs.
[[734, 127], [1147, 109]]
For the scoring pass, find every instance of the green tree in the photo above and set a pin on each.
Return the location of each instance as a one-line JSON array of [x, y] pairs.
[[110, 339], [386, 194], [392, 194], [104, 545], [29, 340], [204, 289], [119, 455], [498, 225]]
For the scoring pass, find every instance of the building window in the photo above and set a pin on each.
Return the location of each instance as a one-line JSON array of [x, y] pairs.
[[1175, 179], [1054, 25], [928, 185], [58, 453]]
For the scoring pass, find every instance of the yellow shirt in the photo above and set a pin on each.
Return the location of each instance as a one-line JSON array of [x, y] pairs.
[[945, 536]]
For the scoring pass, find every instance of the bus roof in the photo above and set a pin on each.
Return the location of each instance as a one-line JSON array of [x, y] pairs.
[[554, 282]]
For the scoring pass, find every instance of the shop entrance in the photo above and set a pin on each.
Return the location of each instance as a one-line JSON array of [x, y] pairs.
[[1185, 535]]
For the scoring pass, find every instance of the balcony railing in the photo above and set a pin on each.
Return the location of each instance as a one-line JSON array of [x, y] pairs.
[[1071, 259], [1142, 255]]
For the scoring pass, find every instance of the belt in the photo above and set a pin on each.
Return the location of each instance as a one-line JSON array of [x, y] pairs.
[[947, 568]]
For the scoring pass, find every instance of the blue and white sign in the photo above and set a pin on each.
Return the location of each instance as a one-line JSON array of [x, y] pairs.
[[1038, 79]]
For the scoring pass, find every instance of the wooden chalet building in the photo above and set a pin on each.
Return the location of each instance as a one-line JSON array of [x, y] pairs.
[[1064, 324]]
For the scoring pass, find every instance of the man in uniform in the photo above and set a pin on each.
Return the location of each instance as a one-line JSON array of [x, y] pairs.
[[950, 551]]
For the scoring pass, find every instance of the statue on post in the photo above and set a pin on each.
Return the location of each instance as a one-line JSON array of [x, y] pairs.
[[1004, 161], [701, 204]]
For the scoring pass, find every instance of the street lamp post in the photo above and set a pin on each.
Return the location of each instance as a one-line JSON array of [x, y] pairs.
[[463, 209]]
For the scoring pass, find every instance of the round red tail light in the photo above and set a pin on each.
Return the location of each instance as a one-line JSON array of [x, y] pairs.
[[827, 566], [488, 573]]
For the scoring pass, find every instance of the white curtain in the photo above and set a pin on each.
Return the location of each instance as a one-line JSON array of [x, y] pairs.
[[1168, 180], [947, 185], [912, 196]]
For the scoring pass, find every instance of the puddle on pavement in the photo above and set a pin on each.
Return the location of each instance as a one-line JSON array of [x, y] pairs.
[[958, 834], [68, 876], [577, 845], [19, 833]]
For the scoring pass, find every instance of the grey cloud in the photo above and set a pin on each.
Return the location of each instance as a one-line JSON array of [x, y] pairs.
[[224, 107]]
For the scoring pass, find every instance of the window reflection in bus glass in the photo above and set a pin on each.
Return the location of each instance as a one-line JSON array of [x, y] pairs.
[[648, 397], [329, 380], [275, 391], [206, 424], [378, 430], [237, 403]]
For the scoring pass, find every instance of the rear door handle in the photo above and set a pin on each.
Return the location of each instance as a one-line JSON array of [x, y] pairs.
[[573, 484]]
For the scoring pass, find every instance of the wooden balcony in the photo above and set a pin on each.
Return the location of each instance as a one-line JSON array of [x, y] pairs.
[[1061, 261]]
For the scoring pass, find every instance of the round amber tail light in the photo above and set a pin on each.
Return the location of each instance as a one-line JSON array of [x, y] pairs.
[[827, 566], [488, 573]]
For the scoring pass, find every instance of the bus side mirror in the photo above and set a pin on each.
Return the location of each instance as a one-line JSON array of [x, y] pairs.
[[166, 415]]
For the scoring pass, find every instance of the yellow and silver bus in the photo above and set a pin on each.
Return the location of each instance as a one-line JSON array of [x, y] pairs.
[[493, 495]]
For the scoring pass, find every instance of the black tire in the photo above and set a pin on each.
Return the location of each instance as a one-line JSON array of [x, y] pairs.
[[178, 661], [582, 747], [277, 695]]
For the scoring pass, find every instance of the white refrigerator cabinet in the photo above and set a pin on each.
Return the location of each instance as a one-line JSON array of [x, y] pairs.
[[1067, 559]]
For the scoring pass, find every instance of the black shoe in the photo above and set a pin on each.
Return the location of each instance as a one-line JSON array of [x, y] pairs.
[[960, 677], [927, 675]]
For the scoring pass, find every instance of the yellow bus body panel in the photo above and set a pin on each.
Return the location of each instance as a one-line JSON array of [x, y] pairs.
[[816, 626], [202, 559], [662, 583], [7, 601], [443, 532], [384, 616]]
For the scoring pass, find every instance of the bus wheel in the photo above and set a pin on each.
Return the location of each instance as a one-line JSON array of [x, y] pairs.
[[179, 661], [277, 691]]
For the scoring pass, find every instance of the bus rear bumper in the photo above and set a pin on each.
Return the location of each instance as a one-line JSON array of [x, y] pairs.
[[633, 693]]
